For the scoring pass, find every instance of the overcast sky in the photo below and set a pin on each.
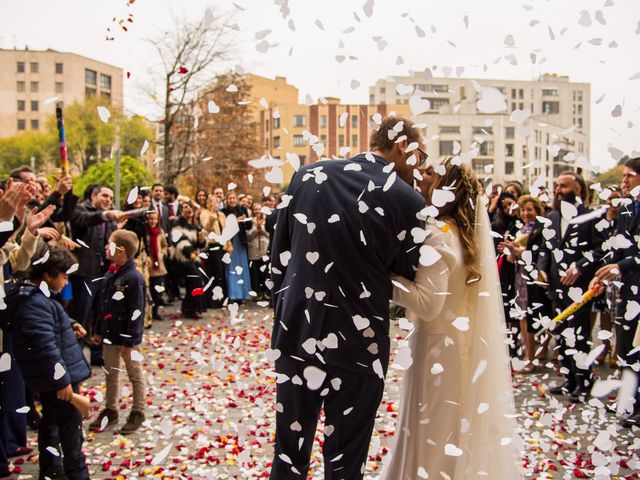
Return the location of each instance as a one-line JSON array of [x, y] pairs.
[[591, 41]]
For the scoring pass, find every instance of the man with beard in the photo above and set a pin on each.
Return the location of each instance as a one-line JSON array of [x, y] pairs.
[[567, 264]]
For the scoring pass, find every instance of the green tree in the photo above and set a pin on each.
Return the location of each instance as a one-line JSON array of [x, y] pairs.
[[89, 139], [133, 173], [18, 150], [611, 176]]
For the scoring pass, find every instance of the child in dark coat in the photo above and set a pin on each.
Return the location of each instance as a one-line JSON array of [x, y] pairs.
[[51, 361], [120, 323]]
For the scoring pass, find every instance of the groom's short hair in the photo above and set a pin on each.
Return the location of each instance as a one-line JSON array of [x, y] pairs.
[[380, 136]]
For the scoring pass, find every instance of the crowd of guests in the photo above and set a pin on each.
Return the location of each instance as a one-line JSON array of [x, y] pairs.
[[78, 273], [553, 248]]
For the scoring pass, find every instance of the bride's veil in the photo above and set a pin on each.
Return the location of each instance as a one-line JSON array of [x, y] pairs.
[[491, 442]]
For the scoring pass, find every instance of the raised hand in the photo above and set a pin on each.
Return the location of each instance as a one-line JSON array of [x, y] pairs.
[[36, 219]]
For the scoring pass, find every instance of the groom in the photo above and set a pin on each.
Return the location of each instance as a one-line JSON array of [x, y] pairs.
[[343, 227]]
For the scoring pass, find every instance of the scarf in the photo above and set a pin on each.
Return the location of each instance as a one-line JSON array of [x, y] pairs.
[[153, 233]]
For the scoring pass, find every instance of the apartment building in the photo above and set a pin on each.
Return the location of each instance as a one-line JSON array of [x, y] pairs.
[[32, 82], [553, 137]]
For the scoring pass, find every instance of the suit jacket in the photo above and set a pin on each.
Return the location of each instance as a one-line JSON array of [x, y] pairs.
[[88, 225], [628, 258], [164, 214], [579, 245], [334, 247]]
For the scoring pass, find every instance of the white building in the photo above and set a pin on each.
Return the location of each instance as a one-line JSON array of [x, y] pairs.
[[552, 138]]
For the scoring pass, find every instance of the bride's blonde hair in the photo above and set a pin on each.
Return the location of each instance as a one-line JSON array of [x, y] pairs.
[[461, 180]]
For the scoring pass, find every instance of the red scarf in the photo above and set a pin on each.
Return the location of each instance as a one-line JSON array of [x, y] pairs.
[[153, 233]]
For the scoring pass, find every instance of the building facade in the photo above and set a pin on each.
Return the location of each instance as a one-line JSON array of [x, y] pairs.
[[33, 82], [326, 129], [552, 136]]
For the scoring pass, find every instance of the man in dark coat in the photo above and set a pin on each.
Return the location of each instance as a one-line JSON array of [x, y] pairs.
[[91, 224], [623, 259], [342, 228], [567, 263]]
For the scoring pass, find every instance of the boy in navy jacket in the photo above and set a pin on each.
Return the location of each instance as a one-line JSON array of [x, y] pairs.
[[119, 326], [51, 361]]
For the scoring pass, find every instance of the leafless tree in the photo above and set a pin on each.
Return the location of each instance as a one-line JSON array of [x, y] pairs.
[[188, 55]]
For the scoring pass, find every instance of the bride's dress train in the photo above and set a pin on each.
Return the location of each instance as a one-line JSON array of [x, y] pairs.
[[457, 416]]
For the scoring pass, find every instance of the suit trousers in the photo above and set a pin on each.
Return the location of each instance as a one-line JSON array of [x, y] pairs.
[[112, 356], [61, 426], [350, 401], [625, 330], [577, 327]]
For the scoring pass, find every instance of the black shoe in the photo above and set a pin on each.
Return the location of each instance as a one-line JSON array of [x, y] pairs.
[[97, 362], [55, 475], [133, 423], [565, 389], [580, 394], [33, 419], [112, 418], [632, 421]]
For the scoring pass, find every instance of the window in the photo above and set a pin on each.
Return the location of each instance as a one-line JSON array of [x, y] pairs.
[[462, 93], [266, 144], [106, 95], [34, 106], [513, 106], [276, 123], [521, 106], [521, 93], [59, 68], [509, 149], [323, 121], [509, 168], [486, 149], [89, 92], [438, 88], [59, 87], [21, 105], [446, 147], [483, 130], [298, 140], [480, 164], [549, 92], [436, 103], [34, 67], [372, 99], [449, 129], [20, 86], [266, 125], [577, 95], [90, 77], [22, 125], [20, 67], [276, 142], [550, 107], [580, 109], [579, 124], [341, 140], [323, 139], [105, 82], [299, 121], [354, 121], [34, 87], [354, 140], [35, 124], [513, 93], [383, 90], [509, 132]]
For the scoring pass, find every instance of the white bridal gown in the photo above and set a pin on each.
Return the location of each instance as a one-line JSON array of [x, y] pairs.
[[456, 418]]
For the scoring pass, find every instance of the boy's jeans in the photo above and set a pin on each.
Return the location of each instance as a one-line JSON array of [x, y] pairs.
[[112, 356], [61, 426]]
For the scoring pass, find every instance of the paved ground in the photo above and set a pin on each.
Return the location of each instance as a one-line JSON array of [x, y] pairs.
[[211, 410]]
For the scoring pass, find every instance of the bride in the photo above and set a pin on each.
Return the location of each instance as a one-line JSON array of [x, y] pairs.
[[456, 418]]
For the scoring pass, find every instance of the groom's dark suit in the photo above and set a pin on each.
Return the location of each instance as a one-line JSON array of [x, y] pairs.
[[346, 227]]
